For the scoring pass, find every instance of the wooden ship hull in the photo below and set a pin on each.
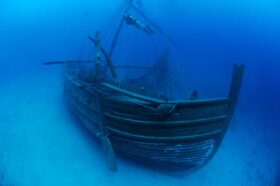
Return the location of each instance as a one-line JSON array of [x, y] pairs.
[[134, 122], [184, 134]]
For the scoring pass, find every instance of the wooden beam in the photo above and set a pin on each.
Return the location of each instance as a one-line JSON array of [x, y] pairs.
[[236, 83], [67, 61], [164, 139], [107, 57], [186, 123], [108, 150]]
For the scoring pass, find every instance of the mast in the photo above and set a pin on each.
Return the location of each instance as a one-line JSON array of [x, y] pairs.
[[103, 134], [97, 54], [130, 3], [107, 57]]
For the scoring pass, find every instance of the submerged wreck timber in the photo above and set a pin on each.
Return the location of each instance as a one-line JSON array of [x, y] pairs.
[[129, 118]]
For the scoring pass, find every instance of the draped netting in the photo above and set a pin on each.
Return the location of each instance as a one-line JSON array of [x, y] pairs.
[[142, 59]]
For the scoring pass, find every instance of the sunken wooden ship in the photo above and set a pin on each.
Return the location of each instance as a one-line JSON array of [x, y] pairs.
[[127, 119]]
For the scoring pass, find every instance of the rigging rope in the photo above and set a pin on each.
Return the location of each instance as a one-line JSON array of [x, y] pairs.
[[156, 47], [122, 61], [114, 19], [140, 11], [180, 77]]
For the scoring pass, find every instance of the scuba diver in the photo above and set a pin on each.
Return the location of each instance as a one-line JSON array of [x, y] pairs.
[[130, 20]]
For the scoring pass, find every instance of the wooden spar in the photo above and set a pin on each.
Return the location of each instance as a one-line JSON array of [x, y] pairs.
[[68, 61], [107, 57], [140, 67], [92, 61], [97, 55], [153, 24], [103, 135], [119, 29], [236, 83]]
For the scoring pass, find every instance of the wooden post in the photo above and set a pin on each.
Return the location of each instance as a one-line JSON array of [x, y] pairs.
[[97, 55], [103, 134], [236, 82], [107, 57]]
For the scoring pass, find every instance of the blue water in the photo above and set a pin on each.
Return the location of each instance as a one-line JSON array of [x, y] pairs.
[[42, 144]]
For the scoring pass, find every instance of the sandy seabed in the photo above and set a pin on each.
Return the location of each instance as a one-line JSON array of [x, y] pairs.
[[42, 144]]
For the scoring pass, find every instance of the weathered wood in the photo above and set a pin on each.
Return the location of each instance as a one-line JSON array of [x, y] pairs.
[[185, 123], [159, 139], [237, 77], [188, 137], [107, 57], [161, 101], [67, 62], [105, 141], [236, 82], [132, 94], [139, 123], [166, 153], [181, 112], [189, 127]]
